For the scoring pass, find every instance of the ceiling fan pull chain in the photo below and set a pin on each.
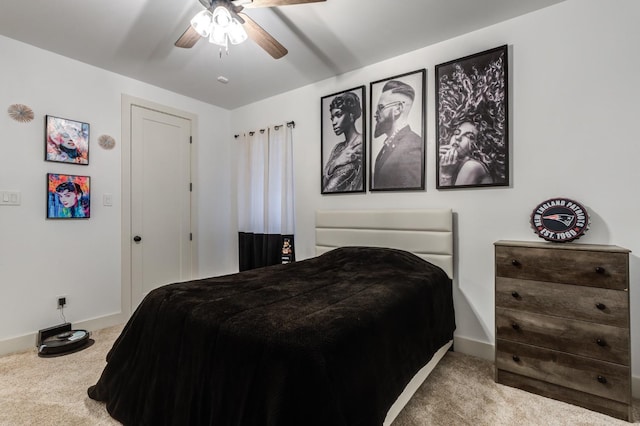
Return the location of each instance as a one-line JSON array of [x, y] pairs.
[[226, 51]]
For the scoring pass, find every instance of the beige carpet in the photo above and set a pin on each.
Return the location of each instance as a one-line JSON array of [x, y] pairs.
[[460, 391]]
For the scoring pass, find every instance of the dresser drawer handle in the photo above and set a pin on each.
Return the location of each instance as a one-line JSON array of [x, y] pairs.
[[515, 295], [601, 342], [602, 380], [601, 306], [515, 326], [515, 262], [600, 270], [516, 358]]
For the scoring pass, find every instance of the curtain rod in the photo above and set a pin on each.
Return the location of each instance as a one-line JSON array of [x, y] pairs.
[[277, 127]]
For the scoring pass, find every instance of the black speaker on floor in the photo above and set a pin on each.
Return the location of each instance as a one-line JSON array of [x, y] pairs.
[[62, 340]]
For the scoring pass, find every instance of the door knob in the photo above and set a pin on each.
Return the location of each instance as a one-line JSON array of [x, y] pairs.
[[137, 238]]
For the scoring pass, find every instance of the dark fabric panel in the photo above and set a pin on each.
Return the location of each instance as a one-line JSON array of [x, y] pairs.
[[260, 250], [331, 340]]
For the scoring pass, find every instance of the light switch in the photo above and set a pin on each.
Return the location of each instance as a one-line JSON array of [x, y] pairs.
[[10, 198], [107, 200]]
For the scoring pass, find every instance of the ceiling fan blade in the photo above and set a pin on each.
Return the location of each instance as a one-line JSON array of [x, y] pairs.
[[271, 3], [188, 38], [263, 38]]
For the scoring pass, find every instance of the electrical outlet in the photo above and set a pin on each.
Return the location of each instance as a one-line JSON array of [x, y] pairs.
[[62, 301]]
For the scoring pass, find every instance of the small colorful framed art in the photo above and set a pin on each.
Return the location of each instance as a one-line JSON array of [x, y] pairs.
[[66, 141], [68, 196]]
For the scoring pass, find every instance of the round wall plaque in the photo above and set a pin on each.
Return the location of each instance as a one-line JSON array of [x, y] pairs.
[[20, 113], [560, 220], [106, 141]]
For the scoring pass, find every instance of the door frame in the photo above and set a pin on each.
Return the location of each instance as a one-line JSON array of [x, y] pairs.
[[127, 102]]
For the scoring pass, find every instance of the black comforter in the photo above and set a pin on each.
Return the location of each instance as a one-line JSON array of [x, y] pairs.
[[331, 340]]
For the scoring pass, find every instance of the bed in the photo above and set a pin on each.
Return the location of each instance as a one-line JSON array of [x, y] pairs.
[[343, 338]]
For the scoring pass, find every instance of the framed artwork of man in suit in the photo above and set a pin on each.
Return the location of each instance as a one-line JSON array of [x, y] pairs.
[[398, 130]]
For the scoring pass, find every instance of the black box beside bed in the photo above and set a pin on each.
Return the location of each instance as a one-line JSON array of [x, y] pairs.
[[331, 340]]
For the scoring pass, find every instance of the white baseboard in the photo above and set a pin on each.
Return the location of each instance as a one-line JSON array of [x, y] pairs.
[[475, 348], [486, 351], [28, 341]]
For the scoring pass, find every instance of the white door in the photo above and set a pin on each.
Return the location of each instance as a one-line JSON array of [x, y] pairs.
[[160, 200]]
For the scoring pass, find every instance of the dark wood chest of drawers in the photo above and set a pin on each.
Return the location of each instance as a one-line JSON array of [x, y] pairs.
[[562, 323]]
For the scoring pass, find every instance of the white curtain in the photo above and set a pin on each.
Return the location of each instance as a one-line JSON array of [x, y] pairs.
[[265, 197]]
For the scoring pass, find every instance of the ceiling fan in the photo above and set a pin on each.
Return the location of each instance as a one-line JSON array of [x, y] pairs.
[[223, 21]]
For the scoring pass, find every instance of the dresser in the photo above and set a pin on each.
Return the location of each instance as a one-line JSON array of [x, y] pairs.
[[562, 323]]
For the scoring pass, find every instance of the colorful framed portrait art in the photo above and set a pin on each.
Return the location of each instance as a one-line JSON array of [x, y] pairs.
[[472, 125], [68, 196], [66, 141], [342, 142], [398, 130]]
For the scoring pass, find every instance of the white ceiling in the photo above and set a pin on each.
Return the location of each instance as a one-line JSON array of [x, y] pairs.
[[135, 38]]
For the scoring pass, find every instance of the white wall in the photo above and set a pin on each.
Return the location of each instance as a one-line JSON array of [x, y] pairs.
[[574, 102], [41, 259]]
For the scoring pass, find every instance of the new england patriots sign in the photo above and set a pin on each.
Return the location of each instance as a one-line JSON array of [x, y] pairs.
[[560, 220]]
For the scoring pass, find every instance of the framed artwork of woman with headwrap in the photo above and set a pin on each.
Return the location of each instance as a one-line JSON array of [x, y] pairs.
[[473, 125], [342, 137]]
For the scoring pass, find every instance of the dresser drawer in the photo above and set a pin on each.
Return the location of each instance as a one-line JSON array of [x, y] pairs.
[[580, 267], [571, 371], [602, 342], [607, 406], [599, 305]]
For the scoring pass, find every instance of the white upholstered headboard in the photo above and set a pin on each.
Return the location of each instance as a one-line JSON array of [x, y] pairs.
[[427, 233]]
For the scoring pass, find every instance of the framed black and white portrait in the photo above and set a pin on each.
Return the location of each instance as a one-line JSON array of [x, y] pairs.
[[343, 158], [398, 130], [472, 125]]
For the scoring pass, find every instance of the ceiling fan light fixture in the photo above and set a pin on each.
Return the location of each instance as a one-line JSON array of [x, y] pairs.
[[221, 17], [218, 36], [224, 28], [202, 23], [236, 32]]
